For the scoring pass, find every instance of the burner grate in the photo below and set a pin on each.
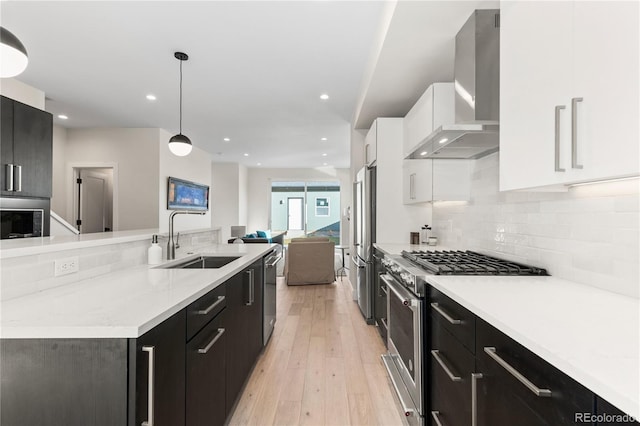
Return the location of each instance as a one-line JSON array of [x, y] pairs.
[[458, 262]]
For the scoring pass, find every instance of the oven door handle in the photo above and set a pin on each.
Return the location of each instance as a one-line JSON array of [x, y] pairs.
[[407, 300]]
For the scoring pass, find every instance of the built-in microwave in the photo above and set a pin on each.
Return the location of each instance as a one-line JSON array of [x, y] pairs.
[[24, 218]]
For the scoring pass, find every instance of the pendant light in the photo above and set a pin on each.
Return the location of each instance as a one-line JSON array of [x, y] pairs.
[[13, 55], [179, 144]]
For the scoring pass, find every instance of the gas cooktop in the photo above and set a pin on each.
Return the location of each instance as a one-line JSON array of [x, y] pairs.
[[455, 262]]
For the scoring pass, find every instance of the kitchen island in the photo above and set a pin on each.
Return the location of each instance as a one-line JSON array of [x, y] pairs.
[[145, 343], [591, 335]]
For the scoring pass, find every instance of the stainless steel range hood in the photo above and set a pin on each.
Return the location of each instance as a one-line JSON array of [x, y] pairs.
[[475, 132]]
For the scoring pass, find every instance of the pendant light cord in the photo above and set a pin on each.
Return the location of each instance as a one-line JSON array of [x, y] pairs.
[[181, 96]]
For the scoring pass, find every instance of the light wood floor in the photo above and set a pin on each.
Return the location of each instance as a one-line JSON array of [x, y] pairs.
[[322, 365]]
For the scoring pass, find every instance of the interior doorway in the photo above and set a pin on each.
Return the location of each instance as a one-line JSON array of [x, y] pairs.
[[93, 199]]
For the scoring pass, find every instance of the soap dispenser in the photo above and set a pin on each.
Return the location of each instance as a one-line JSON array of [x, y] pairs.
[[154, 254]]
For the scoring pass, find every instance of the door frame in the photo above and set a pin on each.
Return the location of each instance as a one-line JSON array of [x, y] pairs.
[[72, 176]]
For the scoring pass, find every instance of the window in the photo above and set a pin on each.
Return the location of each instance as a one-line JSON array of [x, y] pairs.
[[322, 206]]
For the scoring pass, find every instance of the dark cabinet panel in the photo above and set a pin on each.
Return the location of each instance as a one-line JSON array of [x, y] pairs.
[[460, 322], [6, 139], [379, 296], [244, 324], [206, 382], [203, 310], [607, 414], [237, 329], [504, 399], [160, 354], [71, 382], [450, 369], [27, 141]]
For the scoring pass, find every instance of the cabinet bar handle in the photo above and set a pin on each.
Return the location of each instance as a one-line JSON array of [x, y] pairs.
[[412, 186], [474, 398], [515, 373], [445, 315], [251, 287], [8, 177], [212, 342], [436, 354], [436, 417], [574, 133], [150, 390], [206, 311], [18, 178], [557, 137]]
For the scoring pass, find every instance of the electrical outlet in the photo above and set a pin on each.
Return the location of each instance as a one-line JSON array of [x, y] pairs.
[[66, 266]]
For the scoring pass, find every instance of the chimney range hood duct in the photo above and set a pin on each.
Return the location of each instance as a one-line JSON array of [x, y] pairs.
[[475, 132]]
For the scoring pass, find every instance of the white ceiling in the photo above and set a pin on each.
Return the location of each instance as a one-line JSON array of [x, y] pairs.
[[255, 72]]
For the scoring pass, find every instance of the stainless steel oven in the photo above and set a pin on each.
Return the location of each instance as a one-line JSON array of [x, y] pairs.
[[405, 338]]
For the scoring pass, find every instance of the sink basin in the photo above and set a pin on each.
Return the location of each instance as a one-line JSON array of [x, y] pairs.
[[202, 262]]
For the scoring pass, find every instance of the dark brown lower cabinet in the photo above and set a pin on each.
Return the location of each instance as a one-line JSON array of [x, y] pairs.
[[607, 414], [518, 387], [206, 381], [450, 368], [158, 361], [244, 318], [163, 378]]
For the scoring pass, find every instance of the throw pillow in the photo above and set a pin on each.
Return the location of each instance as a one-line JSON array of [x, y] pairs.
[[264, 234]]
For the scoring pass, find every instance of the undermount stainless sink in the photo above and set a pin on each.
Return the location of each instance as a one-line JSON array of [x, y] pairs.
[[202, 262]]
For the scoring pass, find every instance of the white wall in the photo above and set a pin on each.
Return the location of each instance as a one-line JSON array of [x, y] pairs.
[[136, 157], [195, 167], [228, 197], [14, 89], [259, 191], [589, 234]]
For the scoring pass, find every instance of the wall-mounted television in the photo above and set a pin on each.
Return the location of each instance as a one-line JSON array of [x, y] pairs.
[[186, 195]]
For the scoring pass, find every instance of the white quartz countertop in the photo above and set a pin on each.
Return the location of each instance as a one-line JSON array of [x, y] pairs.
[[590, 334], [122, 304], [32, 246]]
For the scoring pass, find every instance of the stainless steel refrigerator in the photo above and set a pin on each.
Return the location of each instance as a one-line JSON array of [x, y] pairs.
[[364, 235]]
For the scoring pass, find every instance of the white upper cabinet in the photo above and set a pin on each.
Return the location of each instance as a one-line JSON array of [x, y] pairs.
[[568, 93], [434, 108], [417, 181], [371, 145]]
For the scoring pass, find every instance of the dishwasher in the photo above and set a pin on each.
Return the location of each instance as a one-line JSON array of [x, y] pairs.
[[269, 309]]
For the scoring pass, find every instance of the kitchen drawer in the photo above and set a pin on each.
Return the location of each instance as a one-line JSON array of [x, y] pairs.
[[203, 310], [459, 321], [504, 399], [450, 369], [205, 375]]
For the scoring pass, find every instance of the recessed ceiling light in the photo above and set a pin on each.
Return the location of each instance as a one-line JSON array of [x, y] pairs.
[[323, 139], [324, 155], [245, 154], [423, 153], [443, 140], [324, 164], [151, 97], [324, 96], [226, 139], [62, 117], [259, 164]]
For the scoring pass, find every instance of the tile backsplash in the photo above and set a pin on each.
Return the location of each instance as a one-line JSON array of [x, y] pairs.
[[20, 276], [589, 234]]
